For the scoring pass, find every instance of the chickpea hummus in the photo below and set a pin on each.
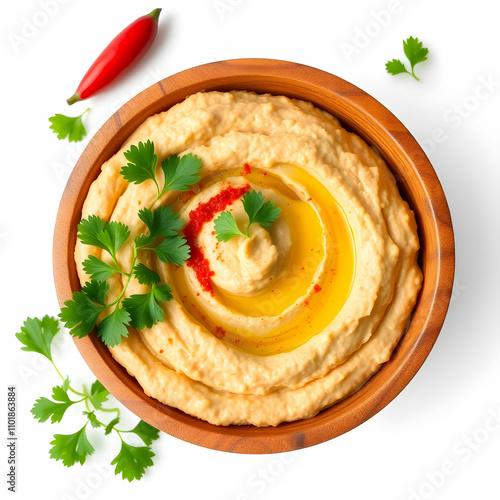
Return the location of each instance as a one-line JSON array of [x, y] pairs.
[[302, 313]]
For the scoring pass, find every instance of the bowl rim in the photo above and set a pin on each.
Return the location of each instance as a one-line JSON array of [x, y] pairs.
[[333, 421]]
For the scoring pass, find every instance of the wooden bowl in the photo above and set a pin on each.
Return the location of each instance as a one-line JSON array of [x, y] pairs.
[[418, 184]]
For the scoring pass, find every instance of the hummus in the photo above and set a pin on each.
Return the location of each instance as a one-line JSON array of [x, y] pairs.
[[300, 314]]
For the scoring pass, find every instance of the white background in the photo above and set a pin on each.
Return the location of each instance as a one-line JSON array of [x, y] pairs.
[[444, 419]]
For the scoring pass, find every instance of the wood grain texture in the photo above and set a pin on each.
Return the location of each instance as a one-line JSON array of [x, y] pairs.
[[418, 184]]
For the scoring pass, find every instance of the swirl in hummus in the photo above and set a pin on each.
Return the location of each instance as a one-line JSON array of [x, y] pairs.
[[300, 314]]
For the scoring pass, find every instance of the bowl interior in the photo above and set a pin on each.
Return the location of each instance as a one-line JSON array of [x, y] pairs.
[[417, 182]]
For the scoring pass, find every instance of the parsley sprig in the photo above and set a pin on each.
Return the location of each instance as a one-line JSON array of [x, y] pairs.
[[414, 52], [131, 462], [253, 202], [179, 172], [80, 314], [68, 126]]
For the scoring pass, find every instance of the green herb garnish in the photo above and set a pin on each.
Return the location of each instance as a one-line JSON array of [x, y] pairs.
[[179, 172], [68, 126], [81, 313], [414, 52], [131, 462], [253, 202]]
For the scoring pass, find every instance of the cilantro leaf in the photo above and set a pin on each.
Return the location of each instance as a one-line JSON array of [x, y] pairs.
[[146, 432], [252, 203], [162, 222], [226, 227], [114, 326], [45, 408], [71, 448], [132, 461], [98, 395], [111, 425], [144, 240], [141, 164], [180, 172], [109, 236], [89, 231], [162, 293], [96, 291], [144, 309], [65, 385], [173, 249], [414, 52], [37, 335], [92, 419], [146, 276], [257, 211], [268, 213], [68, 126], [395, 67], [80, 314], [97, 269]]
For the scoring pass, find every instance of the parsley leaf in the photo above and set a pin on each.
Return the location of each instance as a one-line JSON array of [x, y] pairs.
[[146, 432], [414, 52], [180, 172], [109, 236], [71, 448], [37, 335], [98, 395], [174, 249], [253, 202], [144, 309], [226, 227], [141, 164], [96, 291], [257, 210], [146, 276], [92, 419], [111, 426], [132, 461], [114, 326], [80, 314], [162, 222], [162, 293], [99, 270], [45, 408], [68, 126]]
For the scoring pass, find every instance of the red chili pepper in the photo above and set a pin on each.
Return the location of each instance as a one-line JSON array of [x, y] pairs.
[[125, 50]]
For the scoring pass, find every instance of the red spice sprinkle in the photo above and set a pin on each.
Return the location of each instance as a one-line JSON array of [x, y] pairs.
[[203, 213], [188, 196], [220, 332], [161, 351], [264, 174], [302, 268], [309, 199], [198, 294], [306, 302], [317, 288], [246, 170]]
